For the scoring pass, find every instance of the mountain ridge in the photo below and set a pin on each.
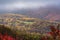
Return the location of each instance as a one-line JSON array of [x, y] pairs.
[[51, 12]]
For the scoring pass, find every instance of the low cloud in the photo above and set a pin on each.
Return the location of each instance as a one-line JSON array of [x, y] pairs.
[[10, 5]]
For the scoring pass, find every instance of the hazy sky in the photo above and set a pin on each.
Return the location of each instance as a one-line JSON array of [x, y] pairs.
[[18, 4]]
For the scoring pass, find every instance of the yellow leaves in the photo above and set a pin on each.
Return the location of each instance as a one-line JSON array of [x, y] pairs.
[[28, 18]]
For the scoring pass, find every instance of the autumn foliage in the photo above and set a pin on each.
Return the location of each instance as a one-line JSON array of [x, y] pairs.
[[54, 34], [8, 34]]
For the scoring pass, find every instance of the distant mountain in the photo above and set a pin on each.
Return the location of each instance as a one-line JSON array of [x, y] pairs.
[[51, 12]]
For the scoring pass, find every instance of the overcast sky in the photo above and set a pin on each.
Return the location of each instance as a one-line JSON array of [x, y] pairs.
[[19, 4]]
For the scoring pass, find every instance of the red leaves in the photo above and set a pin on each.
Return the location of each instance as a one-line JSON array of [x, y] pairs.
[[52, 28], [6, 37], [44, 38], [55, 32]]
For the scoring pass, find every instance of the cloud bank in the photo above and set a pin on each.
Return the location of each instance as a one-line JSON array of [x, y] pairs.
[[20, 4]]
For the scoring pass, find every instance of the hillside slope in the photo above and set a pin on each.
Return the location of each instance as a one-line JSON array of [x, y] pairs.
[[24, 23]]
